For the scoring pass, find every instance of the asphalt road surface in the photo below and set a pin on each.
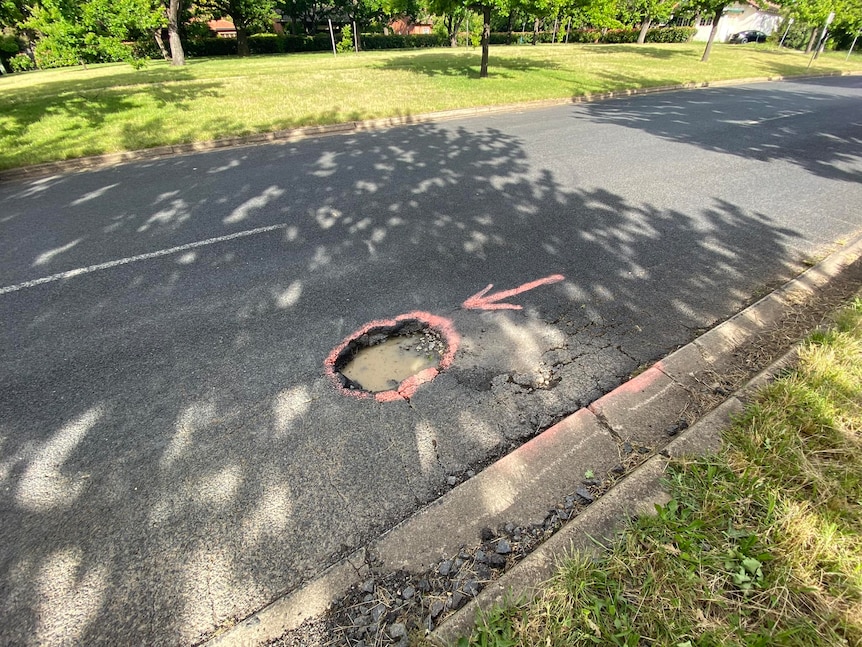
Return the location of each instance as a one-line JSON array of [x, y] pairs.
[[172, 455]]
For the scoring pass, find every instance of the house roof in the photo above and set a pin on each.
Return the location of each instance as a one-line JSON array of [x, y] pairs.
[[221, 25]]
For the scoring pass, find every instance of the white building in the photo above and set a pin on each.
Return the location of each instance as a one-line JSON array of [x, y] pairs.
[[740, 16]]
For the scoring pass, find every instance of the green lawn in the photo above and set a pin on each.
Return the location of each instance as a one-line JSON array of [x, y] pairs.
[[62, 114], [761, 545]]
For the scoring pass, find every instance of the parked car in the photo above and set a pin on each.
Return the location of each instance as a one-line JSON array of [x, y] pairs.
[[750, 36]]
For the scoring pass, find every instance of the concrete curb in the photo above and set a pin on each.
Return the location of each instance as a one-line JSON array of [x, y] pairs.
[[521, 486], [295, 134]]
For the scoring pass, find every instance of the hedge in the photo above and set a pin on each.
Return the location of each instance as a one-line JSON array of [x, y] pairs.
[[395, 41], [287, 43], [659, 35]]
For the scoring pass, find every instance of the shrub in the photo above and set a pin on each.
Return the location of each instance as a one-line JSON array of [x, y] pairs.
[[620, 36], [21, 63], [211, 46], [346, 42], [396, 41], [671, 34]]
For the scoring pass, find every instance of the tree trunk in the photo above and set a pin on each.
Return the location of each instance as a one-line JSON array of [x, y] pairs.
[[178, 56], [535, 31], [644, 29], [453, 24], [556, 26], [486, 40], [811, 41], [712, 34], [242, 41], [157, 34]]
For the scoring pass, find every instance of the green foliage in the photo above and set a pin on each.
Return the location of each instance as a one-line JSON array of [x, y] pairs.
[[21, 63], [659, 35], [92, 31], [346, 43], [671, 34], [211, 47], [394, 41], [9, 46]]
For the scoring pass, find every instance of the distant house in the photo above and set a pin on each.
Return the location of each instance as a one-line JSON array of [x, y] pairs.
[[222, 28], [405, 27], [740, 16]]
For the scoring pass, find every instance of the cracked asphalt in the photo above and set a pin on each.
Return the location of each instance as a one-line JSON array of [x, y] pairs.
[[172, 456]]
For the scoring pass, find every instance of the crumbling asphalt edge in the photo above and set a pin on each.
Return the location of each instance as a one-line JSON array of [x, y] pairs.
[[639, 409]]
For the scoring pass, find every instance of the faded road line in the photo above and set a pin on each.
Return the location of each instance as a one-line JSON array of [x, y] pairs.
[[134, 259]]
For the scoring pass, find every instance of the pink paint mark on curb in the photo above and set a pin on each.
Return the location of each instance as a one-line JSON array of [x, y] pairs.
[[409, 386]]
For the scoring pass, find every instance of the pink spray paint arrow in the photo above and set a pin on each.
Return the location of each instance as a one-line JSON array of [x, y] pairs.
[[484, 301]]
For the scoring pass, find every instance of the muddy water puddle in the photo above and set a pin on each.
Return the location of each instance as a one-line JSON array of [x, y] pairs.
[[383, 366]]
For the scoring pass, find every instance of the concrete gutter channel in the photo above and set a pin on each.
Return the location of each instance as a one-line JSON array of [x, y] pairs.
[[108, 160], [523, 485]]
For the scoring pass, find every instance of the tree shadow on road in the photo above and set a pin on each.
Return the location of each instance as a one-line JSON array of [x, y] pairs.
[[765, 125], [171, 456]]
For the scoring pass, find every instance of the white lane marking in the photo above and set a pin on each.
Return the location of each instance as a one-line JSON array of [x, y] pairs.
[[140, 257], [784, 114]]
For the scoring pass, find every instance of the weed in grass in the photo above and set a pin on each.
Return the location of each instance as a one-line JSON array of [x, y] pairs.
[[761, 545]]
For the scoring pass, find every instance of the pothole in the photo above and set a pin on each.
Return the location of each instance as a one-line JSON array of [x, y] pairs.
[[383, 366], [389, 360]]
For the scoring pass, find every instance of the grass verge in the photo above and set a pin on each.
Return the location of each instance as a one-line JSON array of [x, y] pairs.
[[74, 112], [760, 545]]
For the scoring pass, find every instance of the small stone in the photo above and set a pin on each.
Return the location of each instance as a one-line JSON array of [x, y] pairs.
[[445, 568], [585, 495], [368, 586], [644, 450], [683, 425], [564, 515], [483, 572], [619, 469], [451, 480], [397, 631], [377, 613], [509, 528], [503, 547], [408, 592], [627, 448], [486, 534], [481, 557], [457, 601], [672, 431], [424, 585], [368, 598], [471, 588], [496, 561], [457, 564], [470, 474], [436, 608], [517, 536], [570, 501], [591, 482], [362, 620]]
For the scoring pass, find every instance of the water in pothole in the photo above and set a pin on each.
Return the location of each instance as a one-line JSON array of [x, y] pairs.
[[384, 366]]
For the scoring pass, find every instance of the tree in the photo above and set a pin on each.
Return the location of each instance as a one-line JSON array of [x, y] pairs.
[[714, 8], [178, 56], [646, 12], [246, 15], [70, 32]]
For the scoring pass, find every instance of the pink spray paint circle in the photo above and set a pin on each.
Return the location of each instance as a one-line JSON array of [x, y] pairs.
[[411, 329]]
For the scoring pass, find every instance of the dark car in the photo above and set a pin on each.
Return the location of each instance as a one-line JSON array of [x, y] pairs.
[[750, 36]]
